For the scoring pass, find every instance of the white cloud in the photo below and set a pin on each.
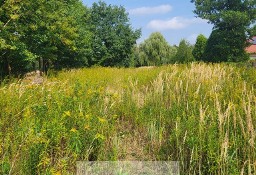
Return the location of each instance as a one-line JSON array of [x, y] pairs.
[[174, 23], [151, 10]]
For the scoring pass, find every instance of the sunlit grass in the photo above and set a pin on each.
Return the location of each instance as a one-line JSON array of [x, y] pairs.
[[201, 115]]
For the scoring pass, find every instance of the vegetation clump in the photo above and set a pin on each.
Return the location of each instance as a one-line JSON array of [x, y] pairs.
[[201, 115]]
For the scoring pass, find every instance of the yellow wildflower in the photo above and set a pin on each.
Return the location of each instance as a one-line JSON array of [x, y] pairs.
[[27, 113], [67, 113], [81, 114], [99, 136], [43, 140], [115, 95], [102, 120], [101, 89], [88, 116], [73, 130], [86, 127], [45, 161], [30, 86], [89, 92], [115, 116], [57, 173]]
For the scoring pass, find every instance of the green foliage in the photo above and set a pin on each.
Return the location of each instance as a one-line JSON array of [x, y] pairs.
[[113, 36], [253, 31], [156, 51], [223, 46], [226, 13], [184, 52], [231, 20], [202, 115], [199, 47], [14, 54], [47, 32], [59, 29]]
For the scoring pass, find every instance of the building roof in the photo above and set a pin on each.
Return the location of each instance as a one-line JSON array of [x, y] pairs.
[[252, 48]]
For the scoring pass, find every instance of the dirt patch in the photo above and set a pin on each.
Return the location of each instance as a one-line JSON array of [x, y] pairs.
[[35, 77], [132, 144], [146, 67]]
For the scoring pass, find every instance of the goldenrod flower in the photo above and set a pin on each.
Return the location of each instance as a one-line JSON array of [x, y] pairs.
[[115, 95], [99, 136], [57, 173], [86, 127], [115, 116], [89, 92], [102, 120], [73, 130], [67, 113], [81, 114], [27, 113], [54, 172], [101, 89], [87, 116]]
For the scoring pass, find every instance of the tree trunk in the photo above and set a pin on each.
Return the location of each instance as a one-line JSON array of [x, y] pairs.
[[41, 66], [9, 68]]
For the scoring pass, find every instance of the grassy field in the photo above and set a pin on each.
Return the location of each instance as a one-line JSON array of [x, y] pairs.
[[201, 115]]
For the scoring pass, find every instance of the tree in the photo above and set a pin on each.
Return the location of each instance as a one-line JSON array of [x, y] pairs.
[[199, 48], [43, 32], [221, 47], [184, 52], [135, 57], [56, 32], [113, 36], [156, 51], [231, 20], [253, 31], [14, 54]]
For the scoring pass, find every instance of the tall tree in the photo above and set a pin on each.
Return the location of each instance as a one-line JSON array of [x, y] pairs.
[[232, 17], [253, 31], [199, 47], [156, 51], [113, 38], [54, 31], [184, 52], [225, 46], [43, 31], [14, 53]]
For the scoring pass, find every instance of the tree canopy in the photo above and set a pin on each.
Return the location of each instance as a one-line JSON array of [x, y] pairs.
[[113, 36], [199, 49], [63, 34], [226, 13], [231, 20], [156, 51], [225, 46], [43, 31], [253, 31], [66, 34], [184, 52]]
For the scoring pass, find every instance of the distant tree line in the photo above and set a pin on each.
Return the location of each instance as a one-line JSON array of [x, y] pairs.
[[62, 34], [156, 51], [45, 34]]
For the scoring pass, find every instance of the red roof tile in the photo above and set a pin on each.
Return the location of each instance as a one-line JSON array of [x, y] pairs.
[[251, 49]]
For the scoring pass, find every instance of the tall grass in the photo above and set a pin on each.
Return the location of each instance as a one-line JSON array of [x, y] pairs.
[[201, 115]]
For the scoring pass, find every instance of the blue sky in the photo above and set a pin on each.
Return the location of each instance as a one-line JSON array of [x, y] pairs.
[[173, 18]]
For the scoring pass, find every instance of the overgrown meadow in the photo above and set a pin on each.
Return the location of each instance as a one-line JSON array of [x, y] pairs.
[[202, 115]]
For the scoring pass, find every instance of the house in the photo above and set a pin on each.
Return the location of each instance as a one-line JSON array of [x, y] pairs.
[[252, 48]]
